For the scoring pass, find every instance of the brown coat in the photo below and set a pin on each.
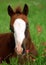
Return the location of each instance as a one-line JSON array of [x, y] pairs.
[[6, 45]]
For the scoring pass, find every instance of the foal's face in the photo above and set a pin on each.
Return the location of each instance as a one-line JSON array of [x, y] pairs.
[[18, 24]]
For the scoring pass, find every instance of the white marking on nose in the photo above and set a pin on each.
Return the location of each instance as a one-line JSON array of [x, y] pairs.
[[19, 31]]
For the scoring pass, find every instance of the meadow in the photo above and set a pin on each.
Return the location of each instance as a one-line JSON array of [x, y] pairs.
[[37, 25]]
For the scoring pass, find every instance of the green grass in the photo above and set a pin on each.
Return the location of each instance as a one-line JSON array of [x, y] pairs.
[[36, 16]]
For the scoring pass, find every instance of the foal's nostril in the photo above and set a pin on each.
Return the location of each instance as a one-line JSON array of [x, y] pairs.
[[15, 49], [23, 48]]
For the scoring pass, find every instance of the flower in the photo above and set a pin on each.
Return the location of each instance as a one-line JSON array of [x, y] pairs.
[[27, 51]]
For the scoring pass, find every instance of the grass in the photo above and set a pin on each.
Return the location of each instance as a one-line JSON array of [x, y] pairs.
[[36, 17]]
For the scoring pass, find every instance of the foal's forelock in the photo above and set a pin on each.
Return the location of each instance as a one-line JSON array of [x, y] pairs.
[[19, 31]]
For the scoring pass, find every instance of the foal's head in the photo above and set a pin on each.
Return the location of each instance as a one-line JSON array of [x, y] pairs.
[[18, 24]]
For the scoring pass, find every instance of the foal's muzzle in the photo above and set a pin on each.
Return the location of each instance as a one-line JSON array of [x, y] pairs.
[[20, 49]]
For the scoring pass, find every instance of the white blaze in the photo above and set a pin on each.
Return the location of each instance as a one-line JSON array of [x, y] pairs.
[[19, 31]]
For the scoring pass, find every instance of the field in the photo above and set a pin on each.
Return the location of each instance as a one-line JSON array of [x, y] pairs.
[[37, 25]]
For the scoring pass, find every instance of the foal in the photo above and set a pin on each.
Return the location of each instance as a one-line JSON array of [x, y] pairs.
[[18, 40], [20, 28]]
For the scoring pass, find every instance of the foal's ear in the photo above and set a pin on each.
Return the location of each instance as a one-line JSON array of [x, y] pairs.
[[10, 11], [25, 10]]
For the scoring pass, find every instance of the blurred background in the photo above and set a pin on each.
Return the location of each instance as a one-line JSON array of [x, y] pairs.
[[36, 19]]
